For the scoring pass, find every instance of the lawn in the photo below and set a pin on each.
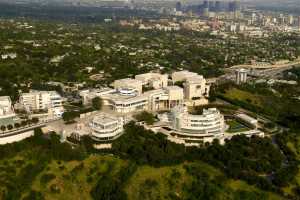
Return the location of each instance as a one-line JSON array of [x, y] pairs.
[[235, 126], [237, 94]]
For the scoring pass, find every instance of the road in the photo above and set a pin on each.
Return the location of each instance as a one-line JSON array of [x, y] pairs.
[[277, 66], [270, 72]]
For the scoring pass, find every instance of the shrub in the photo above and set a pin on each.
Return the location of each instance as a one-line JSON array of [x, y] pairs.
[[46, 178]]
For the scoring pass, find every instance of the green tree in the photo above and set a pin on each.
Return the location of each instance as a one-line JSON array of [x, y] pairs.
[[3, 128], [97, 103], [17, 125], [147, 117], [10, 127], [34, 195], [35, 120], [69, 116], [24, 123]]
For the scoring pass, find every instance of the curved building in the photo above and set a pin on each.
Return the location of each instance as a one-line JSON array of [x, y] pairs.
[[106, 128], [191, 128]]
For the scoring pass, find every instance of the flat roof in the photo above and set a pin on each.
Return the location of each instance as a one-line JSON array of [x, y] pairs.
[[33, 92], [195, 79], [174, 87], [128, 80], [247, 118], [185, 72], [4, 98], [117, 97], [104, 119], [8, 121]]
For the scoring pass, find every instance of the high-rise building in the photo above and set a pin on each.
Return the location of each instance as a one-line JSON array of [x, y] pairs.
[[282, 19], [218, 6], [206, 4], [205, 8], [291, 20], [178, 6], [241, 76], [206, 12], [237, 5], [211, 6], [234, 6], [231, 7]]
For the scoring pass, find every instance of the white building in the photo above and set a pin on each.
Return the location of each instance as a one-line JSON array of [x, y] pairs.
[[197, 128], [88, 95], [49, 101], [154, 80], [7, 56], [127, 95], [165, 99], [241, 76], [129, 83], [106, 128], [182, 76], [233, 28], [195, 86], [126, 100], [6, 109]]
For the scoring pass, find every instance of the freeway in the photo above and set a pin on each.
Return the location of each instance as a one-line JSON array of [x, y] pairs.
[[276, 66], [270, 72]]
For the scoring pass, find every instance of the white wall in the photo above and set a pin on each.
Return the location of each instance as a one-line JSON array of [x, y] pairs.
[[16, 138]]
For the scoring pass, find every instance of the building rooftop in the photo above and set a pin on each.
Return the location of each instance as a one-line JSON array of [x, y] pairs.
[[129, 81], [39, 92], [186, 73], [119, 97], [247, 118], [173, 87], [242, 70], [5, 98], [195, 79], [104, 119]]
